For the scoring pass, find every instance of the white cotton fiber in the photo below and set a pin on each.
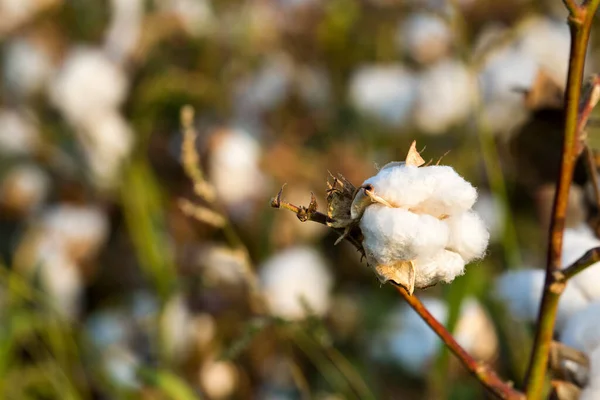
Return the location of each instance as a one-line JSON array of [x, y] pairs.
[[521, 292], [443, 266], [582, 329], [436, 190], [592, 390], [576, 242], [468, 235], [397, 234]]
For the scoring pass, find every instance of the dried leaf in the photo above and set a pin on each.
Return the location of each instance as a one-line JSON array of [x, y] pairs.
[[402, 273], [413, 157]]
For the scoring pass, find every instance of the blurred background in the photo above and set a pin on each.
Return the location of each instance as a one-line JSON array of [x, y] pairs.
[[114, 284]]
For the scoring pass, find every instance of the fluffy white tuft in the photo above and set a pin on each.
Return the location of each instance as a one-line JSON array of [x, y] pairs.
[[468, 235], [436, 190], [443, 266], [294, 280], [393, 234], [521, 291], [582, 330]]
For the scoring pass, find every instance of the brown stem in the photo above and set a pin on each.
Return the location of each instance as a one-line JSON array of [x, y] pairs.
[[580, 21], [591, 257], [482, 372]]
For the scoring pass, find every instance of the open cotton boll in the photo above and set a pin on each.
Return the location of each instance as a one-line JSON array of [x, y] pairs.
[[24, 188], [234, 171], [392, 234], [88, 82], [521, 292], [576, 242], [18, 134], [294, 278], [27, 67], [384, 92], [446, 95], [592, 390], [426, 37], [549, 42], [582, 329], [468, 235], [81, 230]]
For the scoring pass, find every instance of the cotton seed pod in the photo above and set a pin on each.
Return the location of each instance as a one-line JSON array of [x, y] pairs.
[[421, 230]]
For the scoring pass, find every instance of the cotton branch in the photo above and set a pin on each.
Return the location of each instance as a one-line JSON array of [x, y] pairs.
[[576, 114], [482, 372], [591, 257]]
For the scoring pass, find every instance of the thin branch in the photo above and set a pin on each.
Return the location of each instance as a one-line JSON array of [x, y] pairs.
[[572, 6], [591, 257], [482, 372], [580, 22]]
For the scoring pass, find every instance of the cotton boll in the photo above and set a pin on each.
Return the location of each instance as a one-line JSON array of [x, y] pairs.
[[234, 171], [446, 95], [218, 379], [27, 67], [592, 390], [502, 73], [521, 291], [490, 208], [221, 265], [392, 234], [197, 16], [60, 279], [442, 266], [468, 235], [387, 93], [549, 43], [452, 194], [576, 242], [294, 278], [124, 29], [475, 331], [177, 327], [107, 143], [426, 37], [18, 134], [582, 329], [80, 230], [87, 83], [24, 188]]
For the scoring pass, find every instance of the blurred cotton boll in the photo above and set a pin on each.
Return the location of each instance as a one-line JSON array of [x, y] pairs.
[[384, 92], [521, 292], [219, 379], [446, 96], [409, 341], [27, 67], [234, 171], [582, 330], [80, 230], [88, 84], [60, 278], [107, 142], [503, 74], [491, 211], [24, 188], [124, 29], [576, 242], [177, 328], [19, 134], [296, 282], [425, 37], [221, 265], [196, 16], [548, 42]]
